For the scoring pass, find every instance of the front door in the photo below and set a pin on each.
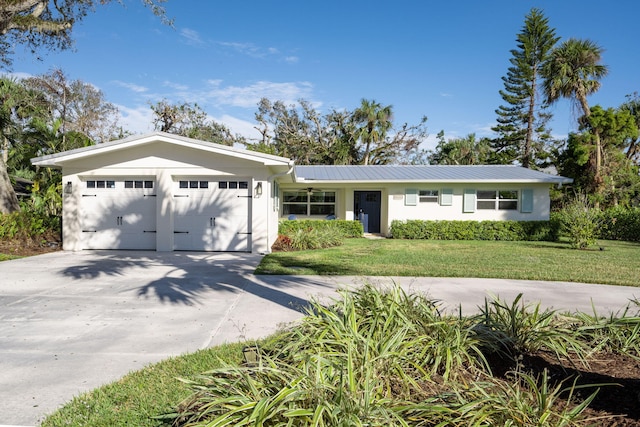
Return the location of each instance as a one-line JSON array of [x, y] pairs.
[[367, 206]]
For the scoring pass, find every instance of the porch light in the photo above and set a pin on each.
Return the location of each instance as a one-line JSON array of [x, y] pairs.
[[259, 189], [68, 188]]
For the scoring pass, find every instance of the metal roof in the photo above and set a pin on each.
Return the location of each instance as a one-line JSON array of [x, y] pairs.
[[421, 173]]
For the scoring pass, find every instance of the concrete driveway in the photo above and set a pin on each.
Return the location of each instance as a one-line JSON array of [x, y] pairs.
[[70, 322]]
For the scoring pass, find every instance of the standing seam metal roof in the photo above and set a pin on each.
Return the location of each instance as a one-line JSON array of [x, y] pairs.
[[454, 173]]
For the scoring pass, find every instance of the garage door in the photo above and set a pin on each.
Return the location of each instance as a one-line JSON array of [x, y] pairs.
[[118, 214], [211, 215]]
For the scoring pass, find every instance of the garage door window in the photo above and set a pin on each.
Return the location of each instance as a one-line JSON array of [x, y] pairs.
[[243, 185], [101, 184], [138, 184], [193, 184]]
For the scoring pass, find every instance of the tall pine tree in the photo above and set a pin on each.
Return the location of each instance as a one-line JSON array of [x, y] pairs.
[[522, 122]]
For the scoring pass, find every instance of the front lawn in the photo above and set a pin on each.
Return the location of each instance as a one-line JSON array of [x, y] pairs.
[[611, 262]]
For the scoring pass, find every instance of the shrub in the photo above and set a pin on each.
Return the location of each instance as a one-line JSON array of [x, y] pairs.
[[580, 222], [315, 238], [25, 225], [620, 223], [475, 230], [344, 227]]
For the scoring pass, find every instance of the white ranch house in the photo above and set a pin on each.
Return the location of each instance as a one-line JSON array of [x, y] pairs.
[[169, 193]]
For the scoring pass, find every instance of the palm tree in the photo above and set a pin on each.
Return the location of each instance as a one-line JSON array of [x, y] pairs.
[[574, 72], [374, 120]]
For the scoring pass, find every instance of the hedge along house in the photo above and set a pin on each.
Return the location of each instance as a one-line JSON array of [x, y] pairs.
[[377, 195], [165, 192]]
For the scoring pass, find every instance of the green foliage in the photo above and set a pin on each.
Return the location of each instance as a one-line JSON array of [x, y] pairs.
[[383, 357], [580, 222], [475, 230], [460, 151], [315, 238], [365, 135], [515, 328], [521, 122], [614, 131], [620, 223], [354, 363], [372, 357], [343, 227], [26, 224], [618, 332]]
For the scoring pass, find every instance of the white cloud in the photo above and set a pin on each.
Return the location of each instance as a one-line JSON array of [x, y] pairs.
[[249, 96], [131, 86], [136, 120], [255, 51], [192, 37], [239, 126], [176, 86]]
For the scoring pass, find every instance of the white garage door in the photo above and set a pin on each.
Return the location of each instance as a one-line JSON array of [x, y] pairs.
[[211, 215], [118, 214]]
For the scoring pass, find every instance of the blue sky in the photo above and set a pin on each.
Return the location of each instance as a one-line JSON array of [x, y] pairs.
[[441, 59]]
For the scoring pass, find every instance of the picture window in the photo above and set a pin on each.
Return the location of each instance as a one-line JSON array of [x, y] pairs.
[[317, 203]]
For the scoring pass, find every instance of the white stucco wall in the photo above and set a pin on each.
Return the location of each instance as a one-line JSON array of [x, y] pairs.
[[435, 211], [394, 207]]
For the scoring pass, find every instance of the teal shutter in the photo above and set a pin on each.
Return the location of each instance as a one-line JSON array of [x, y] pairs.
[[446, 197], [526, 203], [411, 197], [469, 203]]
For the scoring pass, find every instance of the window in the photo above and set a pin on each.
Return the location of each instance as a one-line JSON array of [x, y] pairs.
[[138, 184], [497, 199], [101, 184], [428, 196], [233, 185], [316, 203], [191, 184]]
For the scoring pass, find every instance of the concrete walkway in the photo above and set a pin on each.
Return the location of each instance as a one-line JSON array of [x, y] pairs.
[[70, 322]]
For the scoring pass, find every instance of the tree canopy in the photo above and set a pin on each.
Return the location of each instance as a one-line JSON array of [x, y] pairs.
[[522, 132], [188, 119], [366, 135]]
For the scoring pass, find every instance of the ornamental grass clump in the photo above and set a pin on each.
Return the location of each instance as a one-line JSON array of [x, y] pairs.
[[618, 333], [379, 357], [315, 238], [513, 329]]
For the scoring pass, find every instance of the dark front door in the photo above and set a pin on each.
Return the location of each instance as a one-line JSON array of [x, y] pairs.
[[366, 205]]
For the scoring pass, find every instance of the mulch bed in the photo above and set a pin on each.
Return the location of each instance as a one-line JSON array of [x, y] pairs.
[[29, 247], [617, 404]]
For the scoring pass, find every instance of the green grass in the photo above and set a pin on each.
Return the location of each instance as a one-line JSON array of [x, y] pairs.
[[142, 395], [7, 257], [617, 264]]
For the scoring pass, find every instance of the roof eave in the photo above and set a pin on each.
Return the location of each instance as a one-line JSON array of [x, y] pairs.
[[58, 159]]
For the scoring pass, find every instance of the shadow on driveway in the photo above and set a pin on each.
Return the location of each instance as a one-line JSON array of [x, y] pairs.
[[184, 277]]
